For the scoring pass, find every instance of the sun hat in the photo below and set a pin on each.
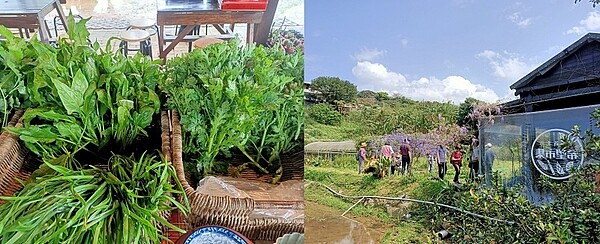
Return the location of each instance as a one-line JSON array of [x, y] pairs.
[[363, 144], [488, 145]]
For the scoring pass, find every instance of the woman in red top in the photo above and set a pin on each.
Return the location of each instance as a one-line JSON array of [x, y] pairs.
[[456, 161]]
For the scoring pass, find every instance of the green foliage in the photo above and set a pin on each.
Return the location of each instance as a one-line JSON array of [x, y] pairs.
[[570, 218], [231, 97], [464, 110], [366, 94], [348, 182], [84, 97], [121, 205], [289, 41], [334, 89], [88, 100], [396, 114], [382, 96], [591, 141], [406, 115], [346, 130], [323, 113], [336, 161], [13, 58]]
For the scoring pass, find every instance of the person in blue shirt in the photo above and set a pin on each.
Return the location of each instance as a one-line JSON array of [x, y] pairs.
[[441, 159]]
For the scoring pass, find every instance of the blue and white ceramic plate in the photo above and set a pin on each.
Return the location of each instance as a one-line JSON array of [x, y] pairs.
[[215, 234]]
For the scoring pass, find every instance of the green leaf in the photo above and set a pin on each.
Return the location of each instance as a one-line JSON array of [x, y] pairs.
[[71, 100], [80, 83], [44, 114], [34, 134], [72, 131], [6, 33], [77, 30]]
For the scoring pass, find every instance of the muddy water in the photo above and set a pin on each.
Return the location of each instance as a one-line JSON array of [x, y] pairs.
[[323, 224]]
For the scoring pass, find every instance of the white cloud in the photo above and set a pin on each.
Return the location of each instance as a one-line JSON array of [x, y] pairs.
[[376, 77], [519, 20], [506, 66], [508, 96], [591, 23], [366, 54]]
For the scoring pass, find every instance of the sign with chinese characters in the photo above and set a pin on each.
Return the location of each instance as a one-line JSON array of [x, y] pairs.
[[550, 159]]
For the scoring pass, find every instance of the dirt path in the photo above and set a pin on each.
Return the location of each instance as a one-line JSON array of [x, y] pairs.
[[325, 225]]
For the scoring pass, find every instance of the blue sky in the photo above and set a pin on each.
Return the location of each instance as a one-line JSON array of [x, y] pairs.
[[439, 50]]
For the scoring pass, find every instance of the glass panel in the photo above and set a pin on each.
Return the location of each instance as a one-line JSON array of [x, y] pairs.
[[518, 160]]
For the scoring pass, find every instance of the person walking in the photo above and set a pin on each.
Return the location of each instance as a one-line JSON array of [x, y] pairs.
[[441, 160], [386, 156], [430, 161], [474, 162], [489, 163], [406, 155], [362, 157], [456, 161]]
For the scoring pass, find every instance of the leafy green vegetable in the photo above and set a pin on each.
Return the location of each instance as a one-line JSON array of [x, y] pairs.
[[120, 205], [208, 88], [13, 58], [86, 98], [243, 98]]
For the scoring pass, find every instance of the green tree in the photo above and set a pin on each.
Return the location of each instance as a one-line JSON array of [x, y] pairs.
[[335, 89], [382, 96], [324, 114], [464, 110]]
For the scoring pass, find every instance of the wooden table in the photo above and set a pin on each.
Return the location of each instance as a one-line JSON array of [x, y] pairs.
[[199, 12], [30, 14]]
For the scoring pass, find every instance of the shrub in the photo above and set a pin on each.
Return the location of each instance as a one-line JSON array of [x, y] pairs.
[[324, 114], [572, 217]]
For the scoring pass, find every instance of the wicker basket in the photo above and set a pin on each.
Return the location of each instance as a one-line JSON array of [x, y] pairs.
[[207, 209], [264, 227], [236, 213], [14, 160]]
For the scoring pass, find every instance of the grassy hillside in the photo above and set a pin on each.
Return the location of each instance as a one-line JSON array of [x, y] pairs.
[[381, 118]]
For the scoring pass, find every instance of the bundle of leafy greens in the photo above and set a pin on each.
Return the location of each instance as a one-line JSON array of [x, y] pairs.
[[87, 101], [13, 58], [83, 97], [120, 205], [237, 99]]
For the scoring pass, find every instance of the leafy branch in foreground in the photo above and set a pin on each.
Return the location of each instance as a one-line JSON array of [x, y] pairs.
[[572, 217]]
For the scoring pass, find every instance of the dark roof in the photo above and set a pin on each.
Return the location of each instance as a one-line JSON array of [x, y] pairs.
[[548, 65]]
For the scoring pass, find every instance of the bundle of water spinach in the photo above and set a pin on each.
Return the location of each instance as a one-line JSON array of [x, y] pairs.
[[124, 204]]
